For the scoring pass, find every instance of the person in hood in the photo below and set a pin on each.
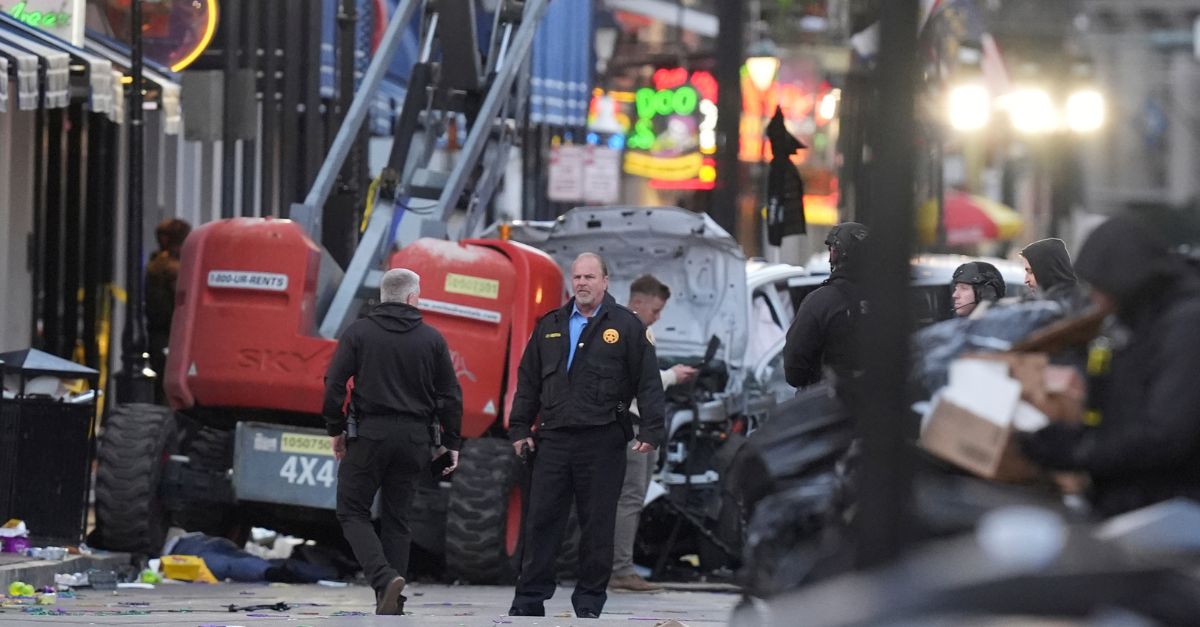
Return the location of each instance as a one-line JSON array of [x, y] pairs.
[[1049, 276], [404, 392], [1146, 447], [584, 364], [822, 333], [975, 282]]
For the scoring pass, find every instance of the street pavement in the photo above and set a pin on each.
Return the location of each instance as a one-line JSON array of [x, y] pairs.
[[203, 605]]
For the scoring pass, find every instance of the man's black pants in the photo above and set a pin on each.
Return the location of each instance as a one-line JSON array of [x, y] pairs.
[[389, 456], [589, 463]]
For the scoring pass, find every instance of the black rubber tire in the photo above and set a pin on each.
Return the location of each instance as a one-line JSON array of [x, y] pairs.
[[208, 450], [477, 513], [131, 454]]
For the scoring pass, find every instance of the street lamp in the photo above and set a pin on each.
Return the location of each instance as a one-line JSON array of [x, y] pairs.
[[762, 65], [1085, 111], [1032, 111], [969, 107]]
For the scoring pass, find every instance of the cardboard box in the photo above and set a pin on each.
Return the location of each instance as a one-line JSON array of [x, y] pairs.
[[1057, 391], [977, 444]]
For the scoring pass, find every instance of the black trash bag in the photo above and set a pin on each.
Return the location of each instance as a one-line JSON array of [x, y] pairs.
[[793, 479], [795, 537], [935, 346]]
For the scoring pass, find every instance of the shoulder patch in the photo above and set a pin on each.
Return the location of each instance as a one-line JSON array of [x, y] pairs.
[[650, 336]]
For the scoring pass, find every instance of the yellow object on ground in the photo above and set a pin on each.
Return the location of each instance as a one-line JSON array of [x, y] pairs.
[[187, 568]]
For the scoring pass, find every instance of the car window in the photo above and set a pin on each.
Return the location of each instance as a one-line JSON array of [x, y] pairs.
[[931, 303], [768, 326], [770, 377]]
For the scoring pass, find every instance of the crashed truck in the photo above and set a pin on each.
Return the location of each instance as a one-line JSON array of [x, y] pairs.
[[727, 316]]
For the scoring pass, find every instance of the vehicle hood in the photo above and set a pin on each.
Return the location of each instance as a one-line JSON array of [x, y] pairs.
[[701, 263]]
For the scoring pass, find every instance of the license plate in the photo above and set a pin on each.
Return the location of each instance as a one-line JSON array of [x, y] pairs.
[[284, 465]]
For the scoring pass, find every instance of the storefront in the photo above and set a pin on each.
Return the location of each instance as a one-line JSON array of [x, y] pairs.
[[62, 164]]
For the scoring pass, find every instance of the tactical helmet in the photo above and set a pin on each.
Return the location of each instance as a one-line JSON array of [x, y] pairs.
[[985, 280], [844, 242]]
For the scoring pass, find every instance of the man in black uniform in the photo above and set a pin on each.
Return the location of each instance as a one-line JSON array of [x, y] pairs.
[[822, 333], [403, 382], [975, 282], [582, 367]]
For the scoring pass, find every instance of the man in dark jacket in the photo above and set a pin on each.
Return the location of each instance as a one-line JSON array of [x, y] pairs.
[[161, 275], [1049, 276], [822, 333], [403, 381], [1146, 447], [582, 367]]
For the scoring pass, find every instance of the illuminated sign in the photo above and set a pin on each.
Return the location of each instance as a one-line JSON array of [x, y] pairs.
[[64, 18], [809, 110], [176, 32], [673, 137]]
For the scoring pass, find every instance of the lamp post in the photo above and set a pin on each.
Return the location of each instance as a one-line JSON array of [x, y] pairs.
[[135, 383], [762, 66]]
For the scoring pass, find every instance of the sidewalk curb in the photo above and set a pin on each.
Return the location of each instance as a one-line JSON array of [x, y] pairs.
[[39, 573]]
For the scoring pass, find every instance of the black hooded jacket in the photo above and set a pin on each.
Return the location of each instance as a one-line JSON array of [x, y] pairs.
[[1050, 262], [402, 371], [822, 333], [1051, 265], [1147, 446]]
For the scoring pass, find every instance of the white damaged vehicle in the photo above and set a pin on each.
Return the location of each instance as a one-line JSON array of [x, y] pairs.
[[728, 316]]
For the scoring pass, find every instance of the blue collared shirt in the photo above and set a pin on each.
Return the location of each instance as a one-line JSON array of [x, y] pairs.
[[575, 326]]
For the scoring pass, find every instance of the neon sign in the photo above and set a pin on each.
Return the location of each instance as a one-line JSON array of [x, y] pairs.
[[176, 32], [40, 19], [64, 18], [673, 137]]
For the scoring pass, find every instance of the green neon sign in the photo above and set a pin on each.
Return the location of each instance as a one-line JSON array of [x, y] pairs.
[[40, 19], [652, 103]]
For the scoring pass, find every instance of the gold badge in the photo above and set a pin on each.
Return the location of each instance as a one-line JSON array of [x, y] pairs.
[[611, 336], [553, 335], [649, 336]]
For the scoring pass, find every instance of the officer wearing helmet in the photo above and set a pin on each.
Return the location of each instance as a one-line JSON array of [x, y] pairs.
[[975, 282], [822, 333]]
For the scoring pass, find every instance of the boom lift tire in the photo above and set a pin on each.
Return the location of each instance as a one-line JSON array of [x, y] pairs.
[[478, 521], [133, 450], [211, 451]]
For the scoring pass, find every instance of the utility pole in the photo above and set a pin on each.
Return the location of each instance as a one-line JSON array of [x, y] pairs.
[[728, 71], [879, 402], [135, 383]]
